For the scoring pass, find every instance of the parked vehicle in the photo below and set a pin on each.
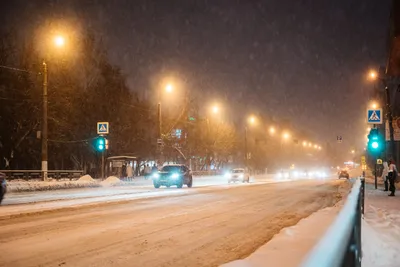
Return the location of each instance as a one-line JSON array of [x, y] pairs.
[[344, 174], [3, 186], [173, 174], [238, 174]]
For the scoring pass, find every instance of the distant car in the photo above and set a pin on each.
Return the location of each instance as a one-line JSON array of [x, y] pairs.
[[3, 186], [238, 175], [173, 174], [344, 174]]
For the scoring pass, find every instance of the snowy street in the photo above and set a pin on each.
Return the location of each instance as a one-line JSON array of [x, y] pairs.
[[204, 226]]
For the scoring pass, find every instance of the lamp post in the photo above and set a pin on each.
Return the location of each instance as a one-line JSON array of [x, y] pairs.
[[44, 125], [373, 75], [59, 41], [251, 121]]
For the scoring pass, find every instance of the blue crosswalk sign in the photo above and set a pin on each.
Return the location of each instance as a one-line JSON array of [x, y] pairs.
[[374, 116], [103, 128]]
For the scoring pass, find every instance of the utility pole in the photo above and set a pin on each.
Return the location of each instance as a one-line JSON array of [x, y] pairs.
[[245, 148], [389, 117], [44, 125]]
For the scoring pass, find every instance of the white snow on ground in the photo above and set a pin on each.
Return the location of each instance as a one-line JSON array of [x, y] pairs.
[[111, 181], [381, 229], [87, 178], [289, 247]]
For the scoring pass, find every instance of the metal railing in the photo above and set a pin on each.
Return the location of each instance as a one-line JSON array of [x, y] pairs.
[[37, 174], [341, 245]]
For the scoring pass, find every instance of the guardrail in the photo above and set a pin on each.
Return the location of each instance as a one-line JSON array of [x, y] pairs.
[[341, 245], [37, 174]]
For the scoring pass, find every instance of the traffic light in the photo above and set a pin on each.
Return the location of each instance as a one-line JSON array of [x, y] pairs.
[[375, 142], [100, 144]]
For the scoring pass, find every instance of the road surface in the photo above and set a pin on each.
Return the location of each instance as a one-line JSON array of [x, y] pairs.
[[204, 226]]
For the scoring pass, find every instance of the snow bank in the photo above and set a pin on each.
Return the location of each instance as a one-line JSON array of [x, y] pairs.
[[111, 181], [296, 241], [87, 178], [23, 186]]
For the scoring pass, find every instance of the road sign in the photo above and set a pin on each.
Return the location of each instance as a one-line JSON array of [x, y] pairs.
[[378, 161], [103, 128], [339, 138], [374, 116]]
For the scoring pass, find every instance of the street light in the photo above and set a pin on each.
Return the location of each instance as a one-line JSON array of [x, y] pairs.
[[252, 120], [59, 41], [372, 75], [272, 130], [353, 151], [304, 143], [169, 88], [315, 146], [215, 109], [285, 136]]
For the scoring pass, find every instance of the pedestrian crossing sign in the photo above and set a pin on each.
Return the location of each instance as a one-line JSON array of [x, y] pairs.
[[103, 128], [374, 116]]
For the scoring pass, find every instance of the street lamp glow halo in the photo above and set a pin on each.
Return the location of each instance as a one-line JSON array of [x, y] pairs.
[[59, 41]]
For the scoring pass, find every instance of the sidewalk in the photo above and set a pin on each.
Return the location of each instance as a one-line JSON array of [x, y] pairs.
[[381, 228]]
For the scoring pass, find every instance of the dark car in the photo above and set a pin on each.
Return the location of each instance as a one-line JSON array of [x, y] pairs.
[[3, 186], [344, 174], [176, 174]]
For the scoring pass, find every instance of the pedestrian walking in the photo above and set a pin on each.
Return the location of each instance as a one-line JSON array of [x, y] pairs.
[[385, 173], [392, 178], [129, 171]]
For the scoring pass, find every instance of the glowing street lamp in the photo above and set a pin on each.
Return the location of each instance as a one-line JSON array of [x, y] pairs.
[[372, 75], [304, 143], [272, 130], [353, 151], [252, 120], [285, 136], [169, 88], [59, 41], [215, 109], [315, 146]]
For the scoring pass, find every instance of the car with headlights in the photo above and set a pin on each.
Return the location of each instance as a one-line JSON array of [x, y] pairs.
[[344, 174], [173, 174], [238, 175]]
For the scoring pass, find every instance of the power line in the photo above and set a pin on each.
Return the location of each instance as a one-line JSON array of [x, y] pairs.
[[71, 141], [15, 69]]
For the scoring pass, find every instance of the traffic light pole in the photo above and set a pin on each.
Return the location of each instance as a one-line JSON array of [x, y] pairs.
[[376, 178], [102, 164]]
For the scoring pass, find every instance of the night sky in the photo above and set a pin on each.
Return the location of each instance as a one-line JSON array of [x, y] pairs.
[[305, 61]]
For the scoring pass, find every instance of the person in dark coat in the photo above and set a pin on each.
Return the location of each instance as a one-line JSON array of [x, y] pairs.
[[392, 178]]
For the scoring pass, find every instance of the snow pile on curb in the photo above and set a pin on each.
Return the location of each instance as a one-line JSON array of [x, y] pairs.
[[14, 186], [87, 178], [111, 181], [296, 241]]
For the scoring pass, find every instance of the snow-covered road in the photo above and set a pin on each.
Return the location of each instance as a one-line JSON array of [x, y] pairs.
[[204, 226]]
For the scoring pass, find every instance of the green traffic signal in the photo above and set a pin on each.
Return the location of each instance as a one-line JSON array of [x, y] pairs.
[[100, 144], [375, 142]]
